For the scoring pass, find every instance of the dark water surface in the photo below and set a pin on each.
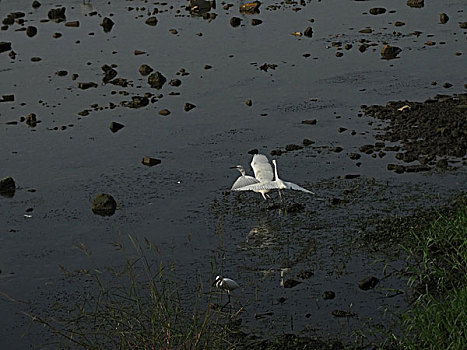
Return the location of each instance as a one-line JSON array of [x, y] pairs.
[[181, 205]]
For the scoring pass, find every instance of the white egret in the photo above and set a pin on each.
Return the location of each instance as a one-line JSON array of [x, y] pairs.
[[263, 173], [273, 185], [243, 180], [226, 284]]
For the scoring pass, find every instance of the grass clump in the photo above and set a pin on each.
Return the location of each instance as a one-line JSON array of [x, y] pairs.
[[139, 306], [438, 316]]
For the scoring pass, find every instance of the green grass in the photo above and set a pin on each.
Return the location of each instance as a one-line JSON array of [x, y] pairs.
[[139, 306], [438, 316]]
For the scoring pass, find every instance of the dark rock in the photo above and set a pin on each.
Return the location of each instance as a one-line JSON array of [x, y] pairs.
[[115, 126], [175, 82], [156, 80], [292, 147], [36, 4], [61, 73], [57, 14], [416, 168], [151, 21], [137, 102], [336, 149], [207, 66], [368, 149], [251, 7], [377, 10], [107, 24], [36, 59], [31, 120], [463, 25], [235, 21], [390, 52], [447, 85], [87, 85], [341, 129], [350, 176], [7, 98], [399, 23], [309, 121], [307, 142], [339, 54], [5, 46], [443, 18], [362, 48], [31, 31], [267, 66], [415, 3], [341, 313], [150, 161], [7, 186], [368, 283], [103, 204], [276, 152], [249, 103], [328, 295], [366, 31], [290, 283], [74, 24], [354, 156], [144, 70], [308, 32], [188, 106], [200, 7], [165, 112], [255, 22], [109, 73]]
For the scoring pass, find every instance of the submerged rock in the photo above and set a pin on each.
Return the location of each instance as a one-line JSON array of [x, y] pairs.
[[107, 24], [5, 46], [443, 18], [151, 21], [377, 10], [31, 31], [57, 14], [150, 161], [416, 3], [368, 283], [137, 102], [188, 106], [109, 72], [156, 80], [390, 52], [7, 186], [115, 126], [144, 69], [103, 204], [235, 21]]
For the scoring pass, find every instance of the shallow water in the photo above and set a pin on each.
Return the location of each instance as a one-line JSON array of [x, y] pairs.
[[184, 197]]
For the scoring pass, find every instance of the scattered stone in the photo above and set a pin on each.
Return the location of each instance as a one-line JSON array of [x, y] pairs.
[[339, 54], [443, 18], [328, 295], [399, 24], [31, 31], [200, 7], [207, 66], [350, 176], [56, 35], [363, 47], [368, 283], [309, 121], [290, 283], [235, 21], [165, 112], [307, 142], [156, 80], [341, 129], [87, 85], [308, 32], [366, 31], [255, 22], [249, 103], [250, 8], [175, 82], [109, 73], [292, 147], [36, 59], [137, 102], [115, 126], [188, 106], [336, 149], [103, 204], [173, 31], [151, 21], [415, 3], [276, 152], [253, 151], [74, 24], [61, 73], [447, 85], [57, 14], [36, 4], [107, 24], [377, 10], [5, 46], [267, 66], [144, 70], [7, 98], [390, 52], [150, 161], [463, 25], [7, 186], [31, 120], [341, 313], [354, 156], [139, 52]]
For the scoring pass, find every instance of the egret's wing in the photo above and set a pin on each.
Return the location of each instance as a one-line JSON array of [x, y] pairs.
[[262, 186], [243, 181], [262, 168], [230, 284], [292, 186]]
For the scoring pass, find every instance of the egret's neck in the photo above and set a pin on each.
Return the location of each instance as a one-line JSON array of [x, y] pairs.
[[275, 170]]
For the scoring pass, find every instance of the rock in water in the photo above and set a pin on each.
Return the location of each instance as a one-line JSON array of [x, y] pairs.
[[57, 14], [104, 204], [368, 283], [107, 24], [156, 80], [389, 52], [7, 186]]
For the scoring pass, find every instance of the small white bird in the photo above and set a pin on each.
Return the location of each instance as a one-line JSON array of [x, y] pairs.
[[226, 284], [243, 180], [276, 184], [263, 173]]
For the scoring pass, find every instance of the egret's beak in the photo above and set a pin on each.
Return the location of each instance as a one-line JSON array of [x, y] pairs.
[[233, 167]]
